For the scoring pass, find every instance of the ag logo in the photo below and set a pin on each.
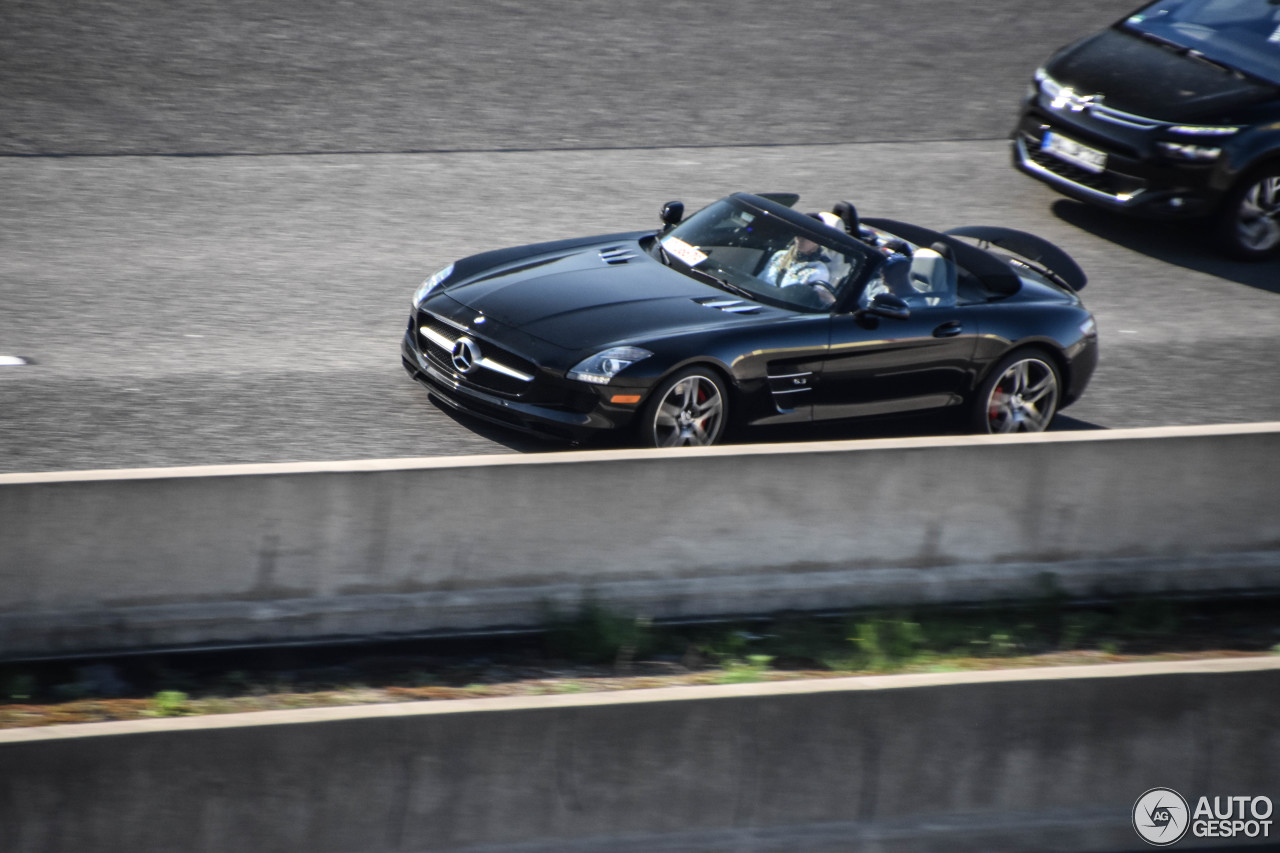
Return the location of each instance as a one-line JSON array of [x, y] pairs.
[[1161, 816]]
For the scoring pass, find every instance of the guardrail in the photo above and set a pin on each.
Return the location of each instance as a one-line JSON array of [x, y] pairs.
[[133, 559], [1024, 760]]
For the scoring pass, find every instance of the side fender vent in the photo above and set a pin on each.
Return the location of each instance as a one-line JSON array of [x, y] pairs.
[[729, 305]]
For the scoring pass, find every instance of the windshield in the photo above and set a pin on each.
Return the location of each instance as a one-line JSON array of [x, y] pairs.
[[763, 257], [1243, 34]]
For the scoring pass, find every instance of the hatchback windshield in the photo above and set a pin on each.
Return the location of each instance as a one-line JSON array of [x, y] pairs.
[[1243, 34], [764, 257]]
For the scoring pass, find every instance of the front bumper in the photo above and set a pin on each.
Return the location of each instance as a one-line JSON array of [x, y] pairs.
[[588, 413], [1131, 183]]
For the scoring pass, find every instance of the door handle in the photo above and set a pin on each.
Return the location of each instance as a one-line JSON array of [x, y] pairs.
[[948, 330]]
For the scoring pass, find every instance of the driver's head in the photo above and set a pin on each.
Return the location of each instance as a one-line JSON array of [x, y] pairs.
[[805, 246]]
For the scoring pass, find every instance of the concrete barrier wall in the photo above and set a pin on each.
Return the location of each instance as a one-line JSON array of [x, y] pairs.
[[165, 557], [1049, 759]]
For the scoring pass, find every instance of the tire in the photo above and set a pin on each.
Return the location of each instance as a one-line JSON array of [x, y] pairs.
[[688, 409], [1020, 394], [1248, 227]]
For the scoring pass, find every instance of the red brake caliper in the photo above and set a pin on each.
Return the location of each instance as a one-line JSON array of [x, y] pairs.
[[993, 411]]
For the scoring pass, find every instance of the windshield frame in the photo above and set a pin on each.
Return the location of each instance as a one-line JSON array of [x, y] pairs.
[[778, 225]]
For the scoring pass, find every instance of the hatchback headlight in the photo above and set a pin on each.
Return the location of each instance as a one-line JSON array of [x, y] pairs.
[[1189, 152], [1205, 129], [603, 366], [431, 284], [1048, 87]]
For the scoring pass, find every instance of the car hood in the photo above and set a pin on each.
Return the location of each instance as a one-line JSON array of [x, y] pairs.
[[1121, 67], [598, 295]]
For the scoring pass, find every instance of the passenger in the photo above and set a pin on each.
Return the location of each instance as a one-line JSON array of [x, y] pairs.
[[894, 275], [805, 262]]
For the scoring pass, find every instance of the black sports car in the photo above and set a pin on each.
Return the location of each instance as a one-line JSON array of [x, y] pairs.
[[749, 313], [1172, 112]]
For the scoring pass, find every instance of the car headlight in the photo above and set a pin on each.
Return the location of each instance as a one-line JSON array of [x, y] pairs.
[[1048, 87], [1188, 152], [1205, 129], [603, 366], [431, 284], [1089, 327]]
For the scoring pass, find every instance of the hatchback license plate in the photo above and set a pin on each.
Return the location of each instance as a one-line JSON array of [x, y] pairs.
[[1089, 159]]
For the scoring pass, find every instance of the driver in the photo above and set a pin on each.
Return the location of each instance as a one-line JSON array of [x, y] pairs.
[[804, 262]]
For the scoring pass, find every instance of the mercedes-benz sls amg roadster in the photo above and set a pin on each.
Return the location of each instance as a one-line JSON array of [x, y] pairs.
[[749, 313]]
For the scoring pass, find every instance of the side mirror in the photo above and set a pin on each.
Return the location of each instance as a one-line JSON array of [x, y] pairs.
[[888, 305], [672, 213]]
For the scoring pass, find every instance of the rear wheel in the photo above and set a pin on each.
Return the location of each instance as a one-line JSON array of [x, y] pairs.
[[688, 409], [1020, 395], [1249, 225]]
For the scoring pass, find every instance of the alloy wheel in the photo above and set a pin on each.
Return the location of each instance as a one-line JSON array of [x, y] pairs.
[[1258, 216], [1024, 398], [690, 414]]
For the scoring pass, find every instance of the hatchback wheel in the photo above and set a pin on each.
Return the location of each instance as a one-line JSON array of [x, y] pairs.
[[1249, 226], [1020, 395], [688, 409]]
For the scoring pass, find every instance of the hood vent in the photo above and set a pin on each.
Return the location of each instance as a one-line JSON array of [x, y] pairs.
[[732, 306], [617, 255]]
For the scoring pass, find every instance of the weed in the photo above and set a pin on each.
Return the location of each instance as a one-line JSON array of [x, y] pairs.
[[1148, 617], [169, 703], [418, 678], [744, 671], [18, 685], [1076, 628], [597, 635], [942, 667], [884, 642], [1002, 645], [71, 691]]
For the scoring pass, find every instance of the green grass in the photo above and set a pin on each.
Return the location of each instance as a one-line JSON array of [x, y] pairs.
[[169, 703], [596, 648], [898, 639]]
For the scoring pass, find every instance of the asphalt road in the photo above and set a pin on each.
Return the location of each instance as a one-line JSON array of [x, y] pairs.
[[246, 305], [241, 76]]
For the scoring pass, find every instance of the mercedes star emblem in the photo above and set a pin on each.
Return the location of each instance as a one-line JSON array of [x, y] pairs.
[[465, 355]]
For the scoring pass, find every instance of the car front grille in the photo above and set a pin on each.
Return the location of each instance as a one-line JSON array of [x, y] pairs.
[[1123, 119], [488, 366]]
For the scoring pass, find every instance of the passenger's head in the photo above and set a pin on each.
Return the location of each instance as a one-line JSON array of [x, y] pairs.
[[830, 219]]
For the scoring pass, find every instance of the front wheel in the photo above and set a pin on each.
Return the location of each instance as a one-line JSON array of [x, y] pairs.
[[687, 410], [1020, 395], [1249, 225]]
